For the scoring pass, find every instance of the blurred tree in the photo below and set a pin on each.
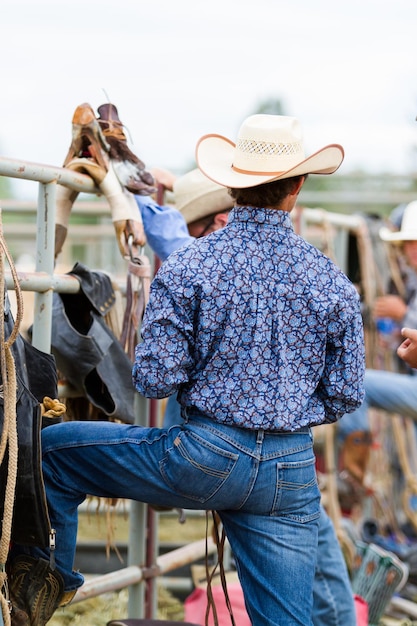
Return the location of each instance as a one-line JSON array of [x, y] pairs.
[[271, 106]]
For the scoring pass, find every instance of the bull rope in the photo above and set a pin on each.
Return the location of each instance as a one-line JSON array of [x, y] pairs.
[[9, 433]]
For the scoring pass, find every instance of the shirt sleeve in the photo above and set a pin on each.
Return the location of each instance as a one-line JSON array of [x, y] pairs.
[[165, 227], [341, 388], [163, 359]]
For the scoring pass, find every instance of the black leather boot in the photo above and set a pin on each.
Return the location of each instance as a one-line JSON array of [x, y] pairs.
[[36, 591]]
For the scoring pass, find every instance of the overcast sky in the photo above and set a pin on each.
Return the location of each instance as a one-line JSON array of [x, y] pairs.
[[177, 69]]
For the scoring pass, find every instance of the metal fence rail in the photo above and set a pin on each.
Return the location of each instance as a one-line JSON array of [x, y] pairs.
[[47, 177]]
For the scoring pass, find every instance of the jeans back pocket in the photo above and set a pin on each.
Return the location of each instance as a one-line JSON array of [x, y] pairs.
[[195, 467]]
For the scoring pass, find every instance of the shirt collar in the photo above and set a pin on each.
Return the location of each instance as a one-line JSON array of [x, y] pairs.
[[273, 217]]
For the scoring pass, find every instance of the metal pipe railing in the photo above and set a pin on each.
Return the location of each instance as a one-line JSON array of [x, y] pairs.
[[134, 574], [42, 281], [45, 174]]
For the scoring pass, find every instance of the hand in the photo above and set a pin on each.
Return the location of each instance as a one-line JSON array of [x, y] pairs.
[[390, 306], [164, 178], [407, 351]]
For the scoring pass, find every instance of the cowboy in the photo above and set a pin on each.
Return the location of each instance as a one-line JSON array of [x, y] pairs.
[[186, 280], [202, 206], [262, 335]]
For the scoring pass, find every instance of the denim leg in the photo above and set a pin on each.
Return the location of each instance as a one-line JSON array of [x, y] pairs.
[[333, 603], [265, 483], [357, 421], [92, 458], [277, 571], [392, 392], [388, 391], [275, 541], [172, 414]]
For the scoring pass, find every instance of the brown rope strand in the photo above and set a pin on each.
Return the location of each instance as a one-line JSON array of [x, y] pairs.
[[9, 433]]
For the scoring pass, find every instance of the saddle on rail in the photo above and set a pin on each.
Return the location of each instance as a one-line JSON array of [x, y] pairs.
[[99, 149]]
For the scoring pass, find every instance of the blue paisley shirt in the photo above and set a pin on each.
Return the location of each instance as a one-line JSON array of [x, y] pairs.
[[255, 327]]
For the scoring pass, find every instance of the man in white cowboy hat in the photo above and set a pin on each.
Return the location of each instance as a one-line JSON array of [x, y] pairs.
[[202, 206], [262, 336], [256, 160]]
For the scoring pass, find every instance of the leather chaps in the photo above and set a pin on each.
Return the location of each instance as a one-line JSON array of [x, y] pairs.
[[36, 377]]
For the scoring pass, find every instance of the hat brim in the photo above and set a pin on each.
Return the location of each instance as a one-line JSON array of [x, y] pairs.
[[214, 156], [397, 237], [212, 202], [196, 196]]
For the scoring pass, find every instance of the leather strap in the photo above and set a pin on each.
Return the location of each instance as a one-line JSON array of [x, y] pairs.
[[219, 539], [137, 296]]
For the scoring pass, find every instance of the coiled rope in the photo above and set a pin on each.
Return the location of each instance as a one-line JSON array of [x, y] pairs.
[[9, 434]]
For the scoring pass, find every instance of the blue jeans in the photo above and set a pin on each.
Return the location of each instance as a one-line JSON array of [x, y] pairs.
[[389, 391], [263, 484], [333, 603]]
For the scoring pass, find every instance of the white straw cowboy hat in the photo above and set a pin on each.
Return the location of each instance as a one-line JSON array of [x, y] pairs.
[[408, 230], [268, 147], [196, 196]]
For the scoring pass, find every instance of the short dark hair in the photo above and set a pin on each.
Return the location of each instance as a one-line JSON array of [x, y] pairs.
[[268, 194]]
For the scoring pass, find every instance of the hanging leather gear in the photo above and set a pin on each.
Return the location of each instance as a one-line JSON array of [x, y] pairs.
[[99, 149], [87, 352], [36, 377], [137, 295], [35, 392]]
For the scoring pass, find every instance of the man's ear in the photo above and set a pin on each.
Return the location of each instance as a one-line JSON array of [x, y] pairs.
[[298, 185], [220, 220]]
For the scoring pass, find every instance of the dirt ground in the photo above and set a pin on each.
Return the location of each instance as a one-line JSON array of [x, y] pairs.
[[98, 611]]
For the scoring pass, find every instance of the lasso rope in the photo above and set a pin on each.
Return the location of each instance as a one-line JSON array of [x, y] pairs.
[[9, 434]]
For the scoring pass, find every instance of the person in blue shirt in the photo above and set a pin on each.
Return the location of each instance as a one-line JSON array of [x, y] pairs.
[[202, 207], [261, 335]]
